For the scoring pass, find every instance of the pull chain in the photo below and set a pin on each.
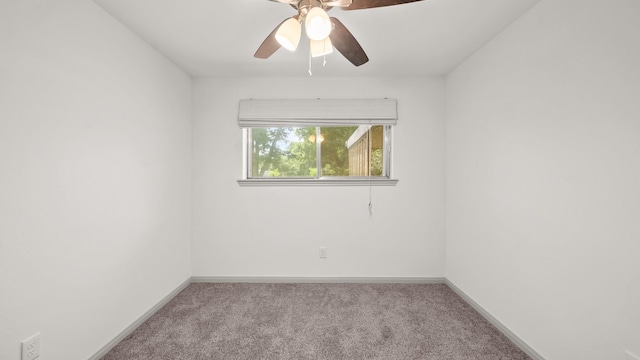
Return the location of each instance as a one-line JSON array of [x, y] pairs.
[[310, 73]]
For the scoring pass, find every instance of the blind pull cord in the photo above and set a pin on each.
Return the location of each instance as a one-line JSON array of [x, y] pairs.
[[370, 199]]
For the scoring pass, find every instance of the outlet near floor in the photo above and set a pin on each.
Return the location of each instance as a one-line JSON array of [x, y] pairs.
[[31, 347], [323, 253]]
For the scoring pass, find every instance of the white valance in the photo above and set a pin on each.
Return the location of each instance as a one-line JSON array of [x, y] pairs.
[[316, 112]]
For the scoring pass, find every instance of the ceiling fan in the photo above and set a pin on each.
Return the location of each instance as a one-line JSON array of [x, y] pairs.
[[325, 33]]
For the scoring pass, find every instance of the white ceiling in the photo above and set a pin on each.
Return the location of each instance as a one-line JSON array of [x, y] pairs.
[[219, 38]]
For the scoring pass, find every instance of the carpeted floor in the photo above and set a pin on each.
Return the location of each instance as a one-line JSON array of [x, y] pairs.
[[316, 321]]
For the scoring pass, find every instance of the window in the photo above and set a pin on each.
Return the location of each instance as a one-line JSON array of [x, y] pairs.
[[318, 152], [317, 142]]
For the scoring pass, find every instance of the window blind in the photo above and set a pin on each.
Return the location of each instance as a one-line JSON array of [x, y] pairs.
[[316, 112]]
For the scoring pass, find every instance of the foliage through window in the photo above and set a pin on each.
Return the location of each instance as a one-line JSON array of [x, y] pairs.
[[318, 152]]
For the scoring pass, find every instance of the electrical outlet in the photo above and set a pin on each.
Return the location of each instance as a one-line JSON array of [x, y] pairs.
[[323, 253], [31, 347], [630, 356]]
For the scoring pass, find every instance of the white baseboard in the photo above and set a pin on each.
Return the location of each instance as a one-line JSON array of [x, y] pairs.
[[126, 332], [495, 322], [301, 280]]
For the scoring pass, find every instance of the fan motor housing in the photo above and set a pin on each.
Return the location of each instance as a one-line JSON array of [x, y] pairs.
[[305, 5]]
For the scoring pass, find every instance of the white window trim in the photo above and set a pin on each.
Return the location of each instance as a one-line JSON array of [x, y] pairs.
[[318, 182]]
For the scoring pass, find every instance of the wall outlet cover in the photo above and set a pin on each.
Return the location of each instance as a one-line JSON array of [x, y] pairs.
[[31, 347]]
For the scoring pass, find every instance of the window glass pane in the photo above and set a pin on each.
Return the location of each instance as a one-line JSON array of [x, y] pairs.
[[377, 146], [334, 151], [283, 152], [365, 151], [292, 152]]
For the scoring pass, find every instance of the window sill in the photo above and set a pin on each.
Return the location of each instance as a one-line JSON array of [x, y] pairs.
[[317, 182]]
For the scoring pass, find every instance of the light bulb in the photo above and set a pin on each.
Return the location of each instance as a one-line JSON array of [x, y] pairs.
[[288, 34], [321, 47], [317, 24]]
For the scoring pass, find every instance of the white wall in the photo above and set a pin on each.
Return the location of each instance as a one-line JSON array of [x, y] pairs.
[[276, 231], [543, 178], [94, 177]]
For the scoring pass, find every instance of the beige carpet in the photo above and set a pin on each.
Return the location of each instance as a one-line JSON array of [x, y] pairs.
[[316, 321]]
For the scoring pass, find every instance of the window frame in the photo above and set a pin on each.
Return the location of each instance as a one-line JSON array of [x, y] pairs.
[[269, 113], [320, 180]]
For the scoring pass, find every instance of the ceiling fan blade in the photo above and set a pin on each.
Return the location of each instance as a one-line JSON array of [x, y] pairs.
[[269, 45], [368, 4], [348, 46]]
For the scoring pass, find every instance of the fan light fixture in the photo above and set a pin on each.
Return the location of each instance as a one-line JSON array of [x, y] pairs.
[[321, 47], [288, 34], [317, 24]]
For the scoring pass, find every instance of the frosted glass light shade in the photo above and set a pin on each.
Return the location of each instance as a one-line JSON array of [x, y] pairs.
[[288, 34], [321, 47], [317, 24]]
